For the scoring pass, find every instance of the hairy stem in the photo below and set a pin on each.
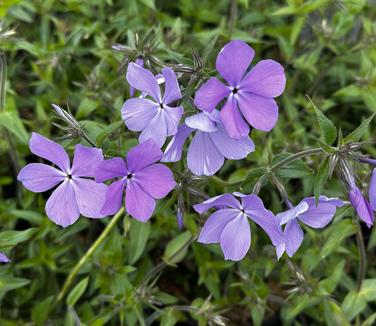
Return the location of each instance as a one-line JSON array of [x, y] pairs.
[[232, 17], [362, 259]]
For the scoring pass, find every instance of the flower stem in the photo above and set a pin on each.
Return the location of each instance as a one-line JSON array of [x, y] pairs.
[[224, 183], [362, 259], [88, 254], [88, 140]]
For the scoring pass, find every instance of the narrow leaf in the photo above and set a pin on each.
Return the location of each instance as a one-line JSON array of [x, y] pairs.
[[359, 132], [77, 292]]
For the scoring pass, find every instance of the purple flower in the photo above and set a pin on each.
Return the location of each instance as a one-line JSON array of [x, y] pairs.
[[139, 62], [76, 194], [230, 227], [250, 92], [308, 213], [155, 117], [143, 181], [210, 145], [4, 258], [361, 205]]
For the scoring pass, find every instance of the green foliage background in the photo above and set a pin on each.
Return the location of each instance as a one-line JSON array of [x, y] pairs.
[[61, 53]]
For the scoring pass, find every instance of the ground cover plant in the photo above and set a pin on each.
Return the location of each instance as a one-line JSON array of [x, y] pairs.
[[187, 162]]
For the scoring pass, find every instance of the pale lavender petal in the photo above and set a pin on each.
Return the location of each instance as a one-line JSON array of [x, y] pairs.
[[142, 155], [292, 213], [138, 203], [62, 207], [4, 258], [156, 129], [174, 148], [293, 237], [143, 80], [109, 169], [260, 112], [372, 190], [156, 180], [172, 90], [323, 199], [362, 206], [232, 149], [138, 112], [172, 118], [227, 200], [50, 151], [280, 249], [90, 197], [203, 157], [236, 238], [85, 161], [214, 225], [201, 121], [232, 120], [139, 62], [267, 79], [38, 177], [114, 198], [210, 94]]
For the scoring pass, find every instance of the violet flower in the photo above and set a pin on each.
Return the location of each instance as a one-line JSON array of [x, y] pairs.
[[140, 62], [75, 194], [143, 181], [361, 205], [155, 118], [4, 258], [210, 145], [230, 227], [308, 213], [250, 92]]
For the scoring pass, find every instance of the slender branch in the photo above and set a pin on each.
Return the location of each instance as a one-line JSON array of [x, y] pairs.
[[232, 17], [362, 259]]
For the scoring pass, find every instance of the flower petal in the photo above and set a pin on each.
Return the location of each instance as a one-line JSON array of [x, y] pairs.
[[260, 112], [90, 197], [172, 90], [138, 203], [234, 60], [4, 258], [62, 207], [210, 94], [201, 121], [174, 148], [156, 129], [232, 120], [109, 169], [172, 118], [362, 206], [236, 238], [156, 180], [214, 225], [203, 157], [114, 198], [293, 237], [292, 213], [138, 112], [142, 155], [139, 62], [227, 200], [267, 78], [50, 151], [38, 177], [86, 160], [143, 80], [372, 190]]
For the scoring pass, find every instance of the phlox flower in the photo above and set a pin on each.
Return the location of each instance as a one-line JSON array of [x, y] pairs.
[[308, 213], [210, 145], [229, 225], [76, 194], [156, 118], [142, 179], [4, 258], [249, 95]]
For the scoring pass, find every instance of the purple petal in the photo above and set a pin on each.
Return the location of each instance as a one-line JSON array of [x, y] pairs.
[[232, 120], [90, 197], [361, 205], [234, 60], [280, 249], [293, 237], [172, 117], [172, 90], [266, 79], [323, 199], [236, 238], [201, 121], [4, 258], [138, 112], [203, 157], [142, 155], [227, 200], [86, 160], [143, 80], [50, 151], [156, 180], [232, 149], [138, 203], [38, 177], [372, 190], [156, 129], [109, 169], [114, 198], [62, 207], [210, 94], [260, 112], [292, 213], [174, 148], [139, 62]]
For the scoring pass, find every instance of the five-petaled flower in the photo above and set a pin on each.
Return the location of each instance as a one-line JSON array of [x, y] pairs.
[[250, 92], [76, 194], [140, 176], [307, 212], [156, 118], [229, 225]]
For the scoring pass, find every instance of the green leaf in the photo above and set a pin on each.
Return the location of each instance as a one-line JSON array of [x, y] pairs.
[[11, 238], [353, 304], [252, 178], [359, 132], [39, 313], [107, 131], [8, 283], [86, 107], [368, 290], [177, 248], [321, 177], [138, 237], [12, 122], [77, 292], [295, 169]]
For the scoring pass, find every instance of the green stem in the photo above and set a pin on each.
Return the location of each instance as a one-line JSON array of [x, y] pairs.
[[88, 140], [88, 254], [232, 17], [224, 183], [362, 259]]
